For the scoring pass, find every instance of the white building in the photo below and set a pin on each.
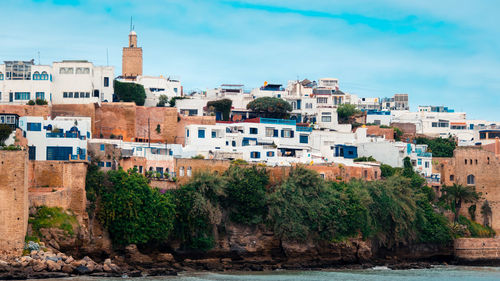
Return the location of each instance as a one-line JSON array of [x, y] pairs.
[[63, 138], [156, 86], [66, 82]]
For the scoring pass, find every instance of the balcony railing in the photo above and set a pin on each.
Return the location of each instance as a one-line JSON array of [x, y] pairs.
[[277, 121], [304, 129]]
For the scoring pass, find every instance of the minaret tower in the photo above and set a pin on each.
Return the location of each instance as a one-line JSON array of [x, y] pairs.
[[132, 57]]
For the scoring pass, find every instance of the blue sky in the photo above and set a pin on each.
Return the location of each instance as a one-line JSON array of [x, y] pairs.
[[440, 52]]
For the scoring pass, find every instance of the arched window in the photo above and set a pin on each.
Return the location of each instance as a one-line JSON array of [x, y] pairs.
[[1, 76], [36, 75], [471, 179], [188, 171], [465, 161], [45, 75], [487, 159], [476, 161], [181, 171]]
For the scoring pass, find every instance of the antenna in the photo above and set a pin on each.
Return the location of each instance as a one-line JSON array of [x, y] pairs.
[[131, 28], [38, 57], [107, 57]]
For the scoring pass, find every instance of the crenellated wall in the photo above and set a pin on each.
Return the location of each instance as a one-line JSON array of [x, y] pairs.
[[13, 201]]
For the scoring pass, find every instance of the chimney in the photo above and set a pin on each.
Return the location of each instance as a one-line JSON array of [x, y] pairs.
[[497, 146]]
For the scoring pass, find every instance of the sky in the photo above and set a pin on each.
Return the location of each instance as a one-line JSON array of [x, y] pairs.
[[440, 52]]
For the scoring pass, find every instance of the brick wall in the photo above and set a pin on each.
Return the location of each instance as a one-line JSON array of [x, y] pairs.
[[132, 62], [13, 201], [58, 184], [484, 166], [474, 249]]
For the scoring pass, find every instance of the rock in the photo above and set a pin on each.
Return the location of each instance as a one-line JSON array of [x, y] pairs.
[[136, 257], [91, 266], [53, 266], [107, 261], [82, 270], [98, 268], [52, 258], [67, 268], [226, 260], [39, 266], [115, 268], [87, 259], [53, 243], [69, 259], [106, 268], [161, 272], [165, 257], [134, 273]]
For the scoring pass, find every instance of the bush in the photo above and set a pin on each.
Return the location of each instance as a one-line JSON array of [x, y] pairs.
[[173, 100], [5, 131], [199, 156], [270, 107], [130, 92], [132, 211], [223, 105], [31, 102], [41, 102], [346, 111], [162, 101], [246, 194], [198, 210], [475, 229], [439, 147], [53, 217], [365, 159]]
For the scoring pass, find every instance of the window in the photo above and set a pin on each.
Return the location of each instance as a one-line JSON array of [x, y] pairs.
[[253, 131], [270, 154], [188, 171], [102, 147], [326, 117], [106, 81], [175, 90], [366, 174], [44, 75], [322, 100], [36, 127], [465, 161], [96, 93], [233, 143], [40, 95], [108, 164], [181, 171], [488, 159], [304, 138], [66, 70], [420, 162], [286, 133], [76, 95], [376, 175], [65, 94], [22, 95], [101, 164], [255, 154], [214, 134], [269, 132], [87, 95], [1, 76], [471, 180], [452, 177], [476, 161], [427, 164], [70, 95], [140, 169], [36, 75], [201, 133], [187, 133]]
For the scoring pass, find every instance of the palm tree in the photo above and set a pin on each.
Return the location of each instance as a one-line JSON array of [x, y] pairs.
[[457, 194]]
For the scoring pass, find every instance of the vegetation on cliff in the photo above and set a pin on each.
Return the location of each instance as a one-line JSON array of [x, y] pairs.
[[398, 210], [52, 217]]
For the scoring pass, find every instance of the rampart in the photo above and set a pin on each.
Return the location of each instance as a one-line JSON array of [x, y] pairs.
[[477, 249], [13, 201], [58, 184]]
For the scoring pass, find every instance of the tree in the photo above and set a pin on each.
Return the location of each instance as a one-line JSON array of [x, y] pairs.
[[223, 105], [162, 100], [486, 212], [132, 211], [130, 92], [5, 131], [246, 194], [198, 210], [173, 100], [270, 107], [456, 195], [346, 111], [440, 147], [397, 133]]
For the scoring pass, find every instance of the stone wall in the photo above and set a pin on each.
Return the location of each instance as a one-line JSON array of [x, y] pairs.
[[277, 174], [13, 201], [76, 110], [157, 123], [26, 110], [116, 119], [477, 249], [485, 167], [58, 184]]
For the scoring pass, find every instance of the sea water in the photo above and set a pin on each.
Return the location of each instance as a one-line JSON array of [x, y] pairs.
[[440, 273]]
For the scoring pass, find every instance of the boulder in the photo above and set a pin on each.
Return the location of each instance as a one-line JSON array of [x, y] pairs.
[[67, 268], [106, 268], [39, 265], [107, 261], [82, 270], [135, 257], [165, 257], [53, 266], [69, 259]]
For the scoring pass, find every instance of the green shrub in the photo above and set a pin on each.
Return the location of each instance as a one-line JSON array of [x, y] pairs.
[[130, 92], [223, 105], [476, 230], [198, 210], [246, 194], [132, 211], [53, 217], [270, 107], [365, 159], [440, 147]]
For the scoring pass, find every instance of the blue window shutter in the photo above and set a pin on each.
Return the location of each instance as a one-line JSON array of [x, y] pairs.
[[282, 133], [258, 154], [291, 134], [275, 133]]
